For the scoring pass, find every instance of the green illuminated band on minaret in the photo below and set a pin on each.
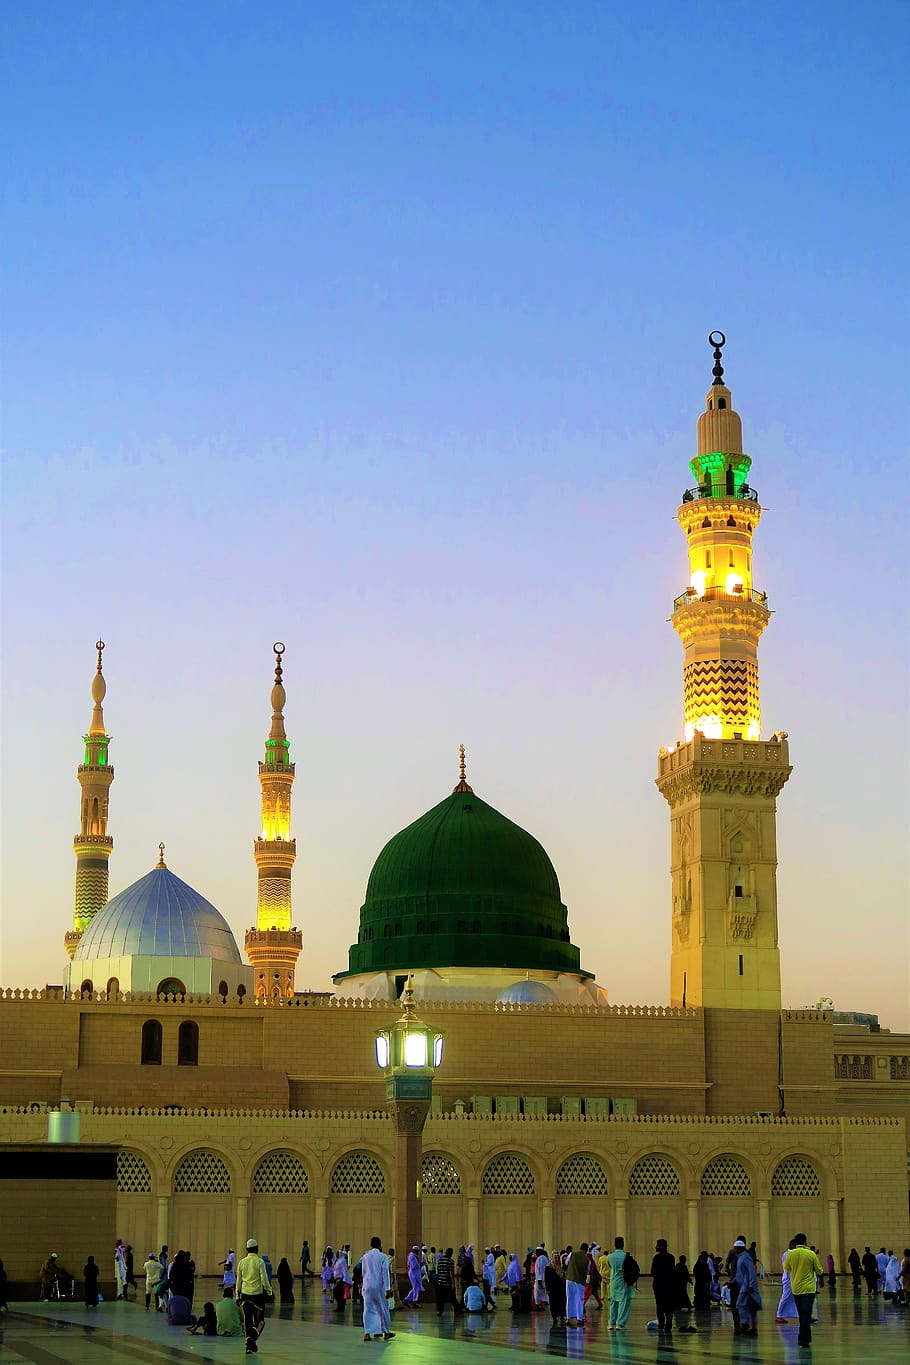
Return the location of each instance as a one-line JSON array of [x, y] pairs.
[[92, 845], [274, 945]]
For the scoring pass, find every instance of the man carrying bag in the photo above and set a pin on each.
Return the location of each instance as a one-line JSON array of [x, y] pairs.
[[253, 1289]]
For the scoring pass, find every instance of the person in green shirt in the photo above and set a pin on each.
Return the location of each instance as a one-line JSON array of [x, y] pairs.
[[227, 1315], [621, 1294], [804, 1268]]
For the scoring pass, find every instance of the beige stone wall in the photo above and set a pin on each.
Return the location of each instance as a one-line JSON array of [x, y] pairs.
[[297, 1055], [698, 1181]]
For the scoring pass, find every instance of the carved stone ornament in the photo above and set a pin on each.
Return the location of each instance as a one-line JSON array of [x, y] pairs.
[[410, 1115], [694, 780]]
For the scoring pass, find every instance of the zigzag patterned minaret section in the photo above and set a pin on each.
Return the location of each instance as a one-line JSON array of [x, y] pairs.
[[274, 945], [722, 780], [92, 845]]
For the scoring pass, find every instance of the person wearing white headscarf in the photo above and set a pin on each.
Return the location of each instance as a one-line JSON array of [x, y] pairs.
[[892, 1275], [542, 1260], [489, 1276]]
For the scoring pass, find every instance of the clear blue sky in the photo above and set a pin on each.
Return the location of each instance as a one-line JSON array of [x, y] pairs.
[[381, 329]]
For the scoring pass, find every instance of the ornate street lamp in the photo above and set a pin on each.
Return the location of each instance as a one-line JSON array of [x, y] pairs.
[[409, 1052]]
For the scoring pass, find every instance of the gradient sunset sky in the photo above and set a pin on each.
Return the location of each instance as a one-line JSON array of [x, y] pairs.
[[380, 329]]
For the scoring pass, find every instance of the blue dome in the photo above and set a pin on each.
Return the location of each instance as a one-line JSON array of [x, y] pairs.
[[528, 993], [159, 916]]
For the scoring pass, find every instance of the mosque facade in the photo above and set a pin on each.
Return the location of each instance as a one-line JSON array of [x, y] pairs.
[[231, 1103]]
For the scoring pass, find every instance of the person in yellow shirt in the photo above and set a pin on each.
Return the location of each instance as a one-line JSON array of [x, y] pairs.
[[603, 1265], [253, 1288], [804, 1268]]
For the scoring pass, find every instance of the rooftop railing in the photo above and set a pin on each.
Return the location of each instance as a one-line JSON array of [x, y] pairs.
[[686, 598], [719, 490]]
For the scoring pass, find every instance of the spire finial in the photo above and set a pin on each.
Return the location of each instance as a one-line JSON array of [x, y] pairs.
[[462, 773], [161, 862], [718, 341], [99, 645], [278, 647]]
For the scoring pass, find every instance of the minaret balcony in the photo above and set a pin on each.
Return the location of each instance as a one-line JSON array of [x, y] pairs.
[[94, 841], [691, 596], [95, 770], [720, 490]]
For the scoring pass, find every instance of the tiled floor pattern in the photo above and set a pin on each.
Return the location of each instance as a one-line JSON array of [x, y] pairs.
[[852, 1331]]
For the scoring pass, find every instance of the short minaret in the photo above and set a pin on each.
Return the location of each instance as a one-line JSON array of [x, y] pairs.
[[93, 845], [274, 945], [722, 779]]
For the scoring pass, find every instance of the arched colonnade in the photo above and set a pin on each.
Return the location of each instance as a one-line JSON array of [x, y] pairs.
[[206, 1198]]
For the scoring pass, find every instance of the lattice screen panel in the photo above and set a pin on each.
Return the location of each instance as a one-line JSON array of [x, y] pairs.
[[725, 1178], [796, 1178], [202, 1173], [281, 1173], [438, 1175], [508, 1174], [581, 1174], [358, 1173], [654, 1177], [133, 1175]]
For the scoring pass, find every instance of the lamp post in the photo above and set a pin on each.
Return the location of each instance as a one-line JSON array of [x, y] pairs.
[[409, 1053]]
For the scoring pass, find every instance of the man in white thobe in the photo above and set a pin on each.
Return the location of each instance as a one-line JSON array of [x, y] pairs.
[[376, 1289], [541, 1296]]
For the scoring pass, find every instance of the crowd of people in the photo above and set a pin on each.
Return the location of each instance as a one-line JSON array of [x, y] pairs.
[[564, 1282]]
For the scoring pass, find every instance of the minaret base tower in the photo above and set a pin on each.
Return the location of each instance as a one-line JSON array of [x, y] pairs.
[[722, 780], [275, 944], [92, 845]]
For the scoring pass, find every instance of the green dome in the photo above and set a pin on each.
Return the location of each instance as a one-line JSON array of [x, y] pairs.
[[462, 887]]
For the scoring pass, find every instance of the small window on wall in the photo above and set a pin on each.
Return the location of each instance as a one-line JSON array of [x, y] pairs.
[[707, 559], [188, 1044], [86, 988], [151, 1043], [171, 985], [113, 987], [222, 988], [731, 560]]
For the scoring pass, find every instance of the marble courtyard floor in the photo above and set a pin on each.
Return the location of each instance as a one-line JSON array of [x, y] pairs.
[[852, 1331]]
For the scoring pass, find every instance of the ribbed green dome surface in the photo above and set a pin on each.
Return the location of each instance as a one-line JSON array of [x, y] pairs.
[[463, 887]]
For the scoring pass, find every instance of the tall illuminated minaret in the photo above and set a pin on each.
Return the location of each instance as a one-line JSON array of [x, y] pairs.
[[274, 945], [93, 845], [722, 780]]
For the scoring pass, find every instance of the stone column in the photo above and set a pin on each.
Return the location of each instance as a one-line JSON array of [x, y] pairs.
[[320, 1236], [620, 1218], [692, 1228], [834, 1234], [241, 1230], [546, 1223], [473, 1221], [161, 1222], [766, 1251], [410, 1115]]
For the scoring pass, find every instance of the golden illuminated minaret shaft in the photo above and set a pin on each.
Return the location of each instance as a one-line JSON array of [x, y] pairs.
[[722, 780], [93, 844], [274, 945]]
